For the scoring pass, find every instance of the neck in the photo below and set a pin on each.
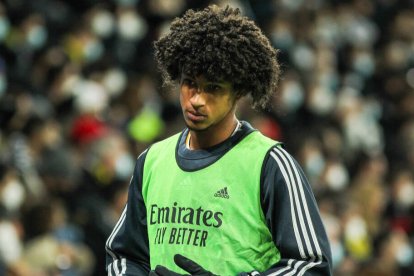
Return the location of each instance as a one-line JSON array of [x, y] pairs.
[[213, 135]]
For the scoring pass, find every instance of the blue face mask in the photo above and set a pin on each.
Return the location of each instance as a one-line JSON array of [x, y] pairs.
[[293, 96], [3, 84], [127, 2], [3, 77], [314, 164], [4, 27], [364, 64], [282, 39], [93, 50], [37, 37], [124, 165]]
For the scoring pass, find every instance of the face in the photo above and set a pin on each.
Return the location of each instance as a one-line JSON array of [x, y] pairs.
[[205, 104]]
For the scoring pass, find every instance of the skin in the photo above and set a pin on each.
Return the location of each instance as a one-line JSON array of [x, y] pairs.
[[209, 110]]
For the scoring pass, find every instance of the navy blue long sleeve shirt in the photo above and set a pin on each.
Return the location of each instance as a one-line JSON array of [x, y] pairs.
[[287, 202]]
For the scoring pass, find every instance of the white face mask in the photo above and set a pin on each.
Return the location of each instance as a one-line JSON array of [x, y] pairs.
[[131, 26], [322, 100], [90, 96], [405, 195], [4, 27], [292, 96], [404, 254], [115, 81], [356, 228], [103, 24], [303, 57], [10, 243], [13, 195], [337, 177]]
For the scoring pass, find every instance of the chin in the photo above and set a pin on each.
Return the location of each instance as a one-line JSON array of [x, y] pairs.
[[196, 127]]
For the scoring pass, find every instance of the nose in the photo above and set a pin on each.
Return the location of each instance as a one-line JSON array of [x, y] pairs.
[[197, 98]]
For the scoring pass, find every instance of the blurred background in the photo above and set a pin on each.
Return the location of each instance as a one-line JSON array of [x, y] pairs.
[[81, 98]]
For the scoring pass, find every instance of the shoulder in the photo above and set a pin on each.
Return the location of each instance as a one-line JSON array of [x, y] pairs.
[[167, 142], [280, 165], [172, 138], [278, 156], [254, 136]]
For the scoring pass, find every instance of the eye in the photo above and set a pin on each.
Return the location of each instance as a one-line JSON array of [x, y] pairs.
[[211, 88], [189, 83]]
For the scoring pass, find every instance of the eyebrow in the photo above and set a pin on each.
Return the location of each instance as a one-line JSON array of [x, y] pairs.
[[221, 83]]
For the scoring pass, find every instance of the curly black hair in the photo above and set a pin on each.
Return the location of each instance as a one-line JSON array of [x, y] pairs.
[[220, 44]]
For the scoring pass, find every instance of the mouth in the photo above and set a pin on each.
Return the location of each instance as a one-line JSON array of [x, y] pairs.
[[194, 116]]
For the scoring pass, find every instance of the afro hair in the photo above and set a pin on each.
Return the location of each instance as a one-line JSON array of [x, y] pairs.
[[220, 44]]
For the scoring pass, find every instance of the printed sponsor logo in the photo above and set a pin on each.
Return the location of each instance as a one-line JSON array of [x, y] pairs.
[[222, 193], [187, 219]]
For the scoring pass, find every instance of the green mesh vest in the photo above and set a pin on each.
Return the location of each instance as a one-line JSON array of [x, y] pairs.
[[212, 215]]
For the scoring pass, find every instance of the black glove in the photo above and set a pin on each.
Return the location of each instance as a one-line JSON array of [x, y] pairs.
[[186, 264]]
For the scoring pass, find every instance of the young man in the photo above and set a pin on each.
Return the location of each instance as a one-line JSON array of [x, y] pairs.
[[219, 198]]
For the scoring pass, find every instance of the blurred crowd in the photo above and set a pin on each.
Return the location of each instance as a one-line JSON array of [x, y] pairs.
[[81, 98]]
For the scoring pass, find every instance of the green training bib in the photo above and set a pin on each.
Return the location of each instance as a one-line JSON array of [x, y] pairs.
[[213, 215]]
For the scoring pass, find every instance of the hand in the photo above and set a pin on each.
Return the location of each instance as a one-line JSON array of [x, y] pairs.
[[186, 264]]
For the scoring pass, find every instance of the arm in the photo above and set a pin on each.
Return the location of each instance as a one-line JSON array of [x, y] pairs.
[[293, 218], [127, 251]]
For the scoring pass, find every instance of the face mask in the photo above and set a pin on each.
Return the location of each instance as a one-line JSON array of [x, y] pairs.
[[404, 254], [90, 97], [124, 165], [322, 100], [292, 5], [405, 194], [338, 253], [364, 64], [131, 26], [361, 32], [282, 39], [3, 84], [327, 31], [103, 24], [37, 36], [314, 164], [329, 80], [292, 96], [168, 8], [337, 177], [410, 75], [10, 244], [356, 228], [93, 50], [4, 28], [13, 195], [115, 81], [127, 2], [303, 57]]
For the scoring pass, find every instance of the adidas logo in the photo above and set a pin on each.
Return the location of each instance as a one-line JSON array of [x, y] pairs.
[[222, 193]]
